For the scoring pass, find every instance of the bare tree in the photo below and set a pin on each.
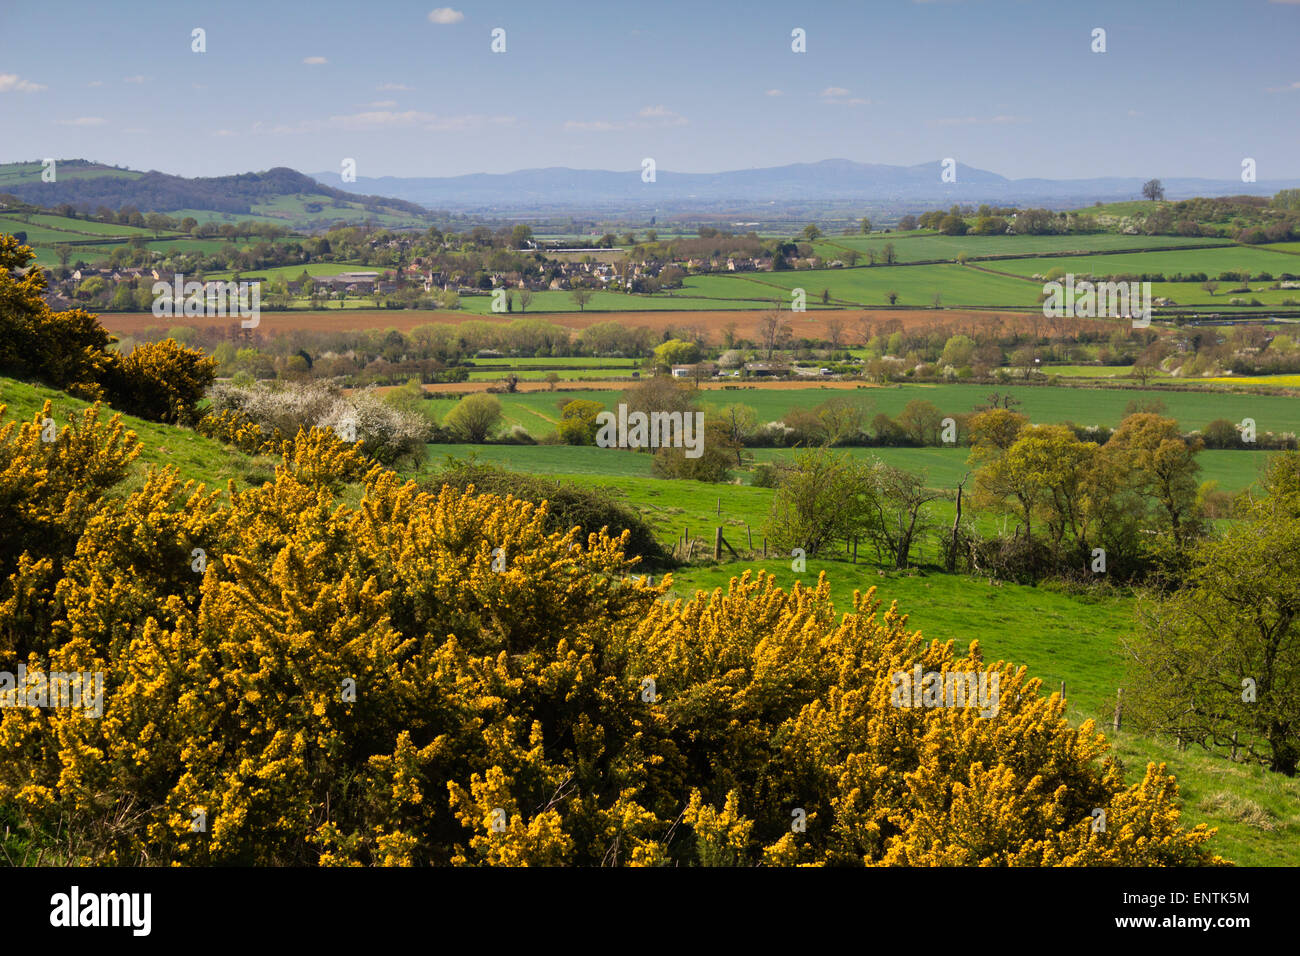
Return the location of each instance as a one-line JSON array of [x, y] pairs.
[[525, 299], [866, 327], [581, 297], [769, 331], [899, 500], [835, 332]]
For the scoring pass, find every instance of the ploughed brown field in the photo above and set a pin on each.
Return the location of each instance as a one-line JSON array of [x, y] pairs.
[[746, 322]]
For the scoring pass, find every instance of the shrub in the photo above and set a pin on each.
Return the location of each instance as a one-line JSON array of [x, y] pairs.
[[568, 506], [382, 683], [578, 422], [475, 417], [280, 411], [161, 381], [765, 475]]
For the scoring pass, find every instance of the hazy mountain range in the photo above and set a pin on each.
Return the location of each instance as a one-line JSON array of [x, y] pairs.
[[828, 180], [797, 192]]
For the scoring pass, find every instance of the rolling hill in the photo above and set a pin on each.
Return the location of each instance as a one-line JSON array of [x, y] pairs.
[[279, 194]]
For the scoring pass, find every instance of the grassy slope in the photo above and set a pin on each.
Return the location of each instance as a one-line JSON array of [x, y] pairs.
[[194, 456]]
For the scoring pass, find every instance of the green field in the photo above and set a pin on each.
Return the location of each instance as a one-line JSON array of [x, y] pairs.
[[1042, 404], [11, 174], [929, 246], [943, 467], [869, 286], [1210, 261], [567, 375], [92, 227]]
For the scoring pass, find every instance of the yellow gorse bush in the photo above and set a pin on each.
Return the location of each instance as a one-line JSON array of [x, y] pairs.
[[432, 678]]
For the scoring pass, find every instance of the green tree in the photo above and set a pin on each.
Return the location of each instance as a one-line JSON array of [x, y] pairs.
[[676, 352], [921, 421], [1217, 661], [822, 497], [475, 417], [1163, 468], [578, 422], [899, 516]]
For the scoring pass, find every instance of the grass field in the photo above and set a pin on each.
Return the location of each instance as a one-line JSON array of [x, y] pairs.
[[927, 246], [943, 467], [1043, 404], [1209, 261], [539, 411], [867, 286]]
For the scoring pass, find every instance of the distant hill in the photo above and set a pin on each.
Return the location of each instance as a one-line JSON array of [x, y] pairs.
[[279, 193], [831, 180]]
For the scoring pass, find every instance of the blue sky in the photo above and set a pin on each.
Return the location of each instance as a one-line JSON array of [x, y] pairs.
[[1185, 88]]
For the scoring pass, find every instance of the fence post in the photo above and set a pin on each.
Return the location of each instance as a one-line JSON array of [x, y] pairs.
[[1119, 707], [717, 543], [1062, 690], [749, 535], [1234, 746], [855, 549], [719, 507], [765, 547]]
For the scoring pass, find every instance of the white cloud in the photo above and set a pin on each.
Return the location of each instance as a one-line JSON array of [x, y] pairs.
[[95, 83], [12, 83], [662, 116], [84, 121], [648, 117], [840, 96], [225, 132], [381, 104], [315, 60], [1285, 89], [137, 79], [393, 86], [774, 93], [445, 15]]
